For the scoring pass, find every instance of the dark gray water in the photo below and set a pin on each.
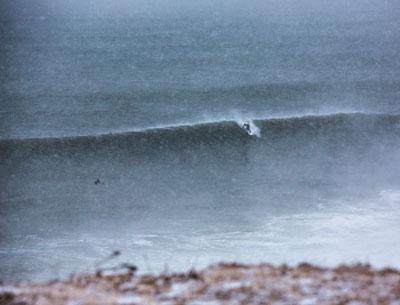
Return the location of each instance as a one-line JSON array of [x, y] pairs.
[[150, 99]]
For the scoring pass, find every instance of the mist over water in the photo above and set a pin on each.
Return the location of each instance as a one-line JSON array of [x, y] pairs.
[[120, 129]]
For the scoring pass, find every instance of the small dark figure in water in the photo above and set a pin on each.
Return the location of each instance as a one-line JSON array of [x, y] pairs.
[[247, 127], [97, 181]]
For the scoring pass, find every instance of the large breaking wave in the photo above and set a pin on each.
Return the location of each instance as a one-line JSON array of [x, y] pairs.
[[192, 178], [342, 125]]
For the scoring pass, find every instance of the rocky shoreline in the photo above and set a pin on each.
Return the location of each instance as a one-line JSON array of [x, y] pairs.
[[304, 284]]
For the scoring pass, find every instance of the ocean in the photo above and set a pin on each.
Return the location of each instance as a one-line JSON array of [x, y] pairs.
[[121, 128]]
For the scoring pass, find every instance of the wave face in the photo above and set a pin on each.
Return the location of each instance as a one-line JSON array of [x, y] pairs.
[[305, 148], [341, 141], [322, 148]]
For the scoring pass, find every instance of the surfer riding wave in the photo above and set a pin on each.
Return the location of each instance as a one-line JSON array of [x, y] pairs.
[[250, 128]]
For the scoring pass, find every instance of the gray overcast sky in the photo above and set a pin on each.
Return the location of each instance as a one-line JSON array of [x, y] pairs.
[[121, 8]]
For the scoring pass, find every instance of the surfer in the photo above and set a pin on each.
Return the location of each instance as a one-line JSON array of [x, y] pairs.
[[97, 181], [246, 126]]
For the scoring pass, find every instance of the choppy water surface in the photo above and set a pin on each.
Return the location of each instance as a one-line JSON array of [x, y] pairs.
[[151, 107]]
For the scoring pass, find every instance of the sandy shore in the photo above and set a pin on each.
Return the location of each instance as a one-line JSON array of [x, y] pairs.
[[221, 284]]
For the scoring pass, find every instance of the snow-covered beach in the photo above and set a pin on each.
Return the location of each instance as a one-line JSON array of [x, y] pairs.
[[219, 284]]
